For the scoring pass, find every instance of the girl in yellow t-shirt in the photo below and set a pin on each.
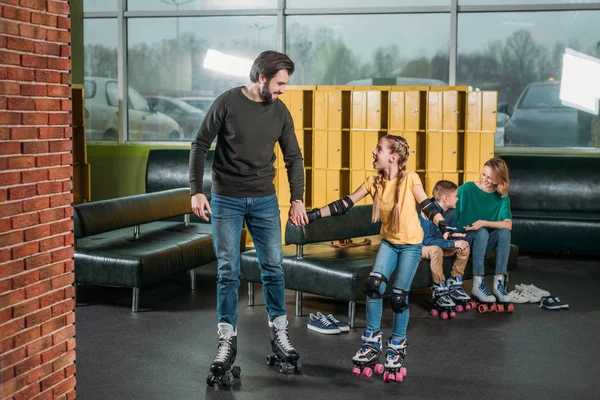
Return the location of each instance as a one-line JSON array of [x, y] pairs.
[[395, 192]]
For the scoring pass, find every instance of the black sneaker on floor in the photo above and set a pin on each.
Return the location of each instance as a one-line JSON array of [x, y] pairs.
[[551, 303]]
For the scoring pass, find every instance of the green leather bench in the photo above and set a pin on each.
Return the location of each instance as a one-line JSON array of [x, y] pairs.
[[312, 265]]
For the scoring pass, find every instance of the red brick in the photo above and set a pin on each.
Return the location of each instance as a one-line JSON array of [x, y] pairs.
[[62, 281], [49, 188], [47, 76], [5, 225], [36, 290], [58, 7], [10, 178], [48, 161], [3, 70], [7, 375], [25, 250], [11, 268], [64, 23], [47, 395], [11, 238], [34, 175], [8, 209], [61, 227], [47, 132], [21, 74], [37, 374], [60, 173], [7, 359], [36, 118], [53, 379], [15, 13], [59, 63], [21, 192], [66, 79], [63, 335], [37, 4], [15, 43], [26, 279], [26, 308], [21, 103], [21, 162], [35, 147], [69, 264], [50, 49], [61, 200], [3, 103], [4, 257], [65, 50], [10, 148], [50, 271], [70, 316], [36, 204], [60, 119], [47, 105], [9, 27], [64, 360], [58, 91], [10, 118], [68, 212], [71, 369], [28, 335], [9, 87], [64, 386], [52, 298], [62, 308], [66, 105], [51, 215], [28, 364], [28, 393], [14, 386], [31, 60], [32, 31], [53, 325], [52, 243], [44, 19], [4, 132], [25, 220], [38, 318], [54, 35], [36, 233], [11, 328], [67, 159], [6, 286], [38, 261], [23, 133], [33, 90]]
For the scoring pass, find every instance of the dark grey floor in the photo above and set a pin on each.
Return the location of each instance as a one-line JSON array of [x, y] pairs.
[[164, 352]]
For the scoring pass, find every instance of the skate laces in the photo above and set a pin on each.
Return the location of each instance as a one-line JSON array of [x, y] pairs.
[[500, 288], [284, 339], [483, 289], [223, 351]]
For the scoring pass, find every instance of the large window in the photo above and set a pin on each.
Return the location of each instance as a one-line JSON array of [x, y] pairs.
[[362, 3], [519, 54], [165, 66], [171, 5], [99, 5], [369, 49]]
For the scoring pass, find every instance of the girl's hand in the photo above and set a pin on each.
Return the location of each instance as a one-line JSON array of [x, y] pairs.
[[476, 225]]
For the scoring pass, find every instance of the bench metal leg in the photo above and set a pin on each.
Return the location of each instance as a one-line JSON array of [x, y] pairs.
[[351, 313], [135, 300], [250, 293], [192, 279], [298, 304]]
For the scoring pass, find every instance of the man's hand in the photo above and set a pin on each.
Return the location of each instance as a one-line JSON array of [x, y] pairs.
[[476, 225], [297, 214], [461, 245], [199, 204]]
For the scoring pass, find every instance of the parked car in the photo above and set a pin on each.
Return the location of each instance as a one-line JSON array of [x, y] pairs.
[[202, 103], [102, 114], [540, 120], [187, 116], [502, 118]]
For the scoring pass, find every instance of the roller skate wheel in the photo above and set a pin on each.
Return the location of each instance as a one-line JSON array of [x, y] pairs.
[[298, 367], [236, 371], [511, 308], [468, 307], [210, 380], [473, 304], [459, 308], [386, 375], [452, 314], [399, 377], [494, 307], [391, 377], [379, 369], [356, 371], [444, 315], [368, 372], [482, 308], [226, 380], [403, 371], [434, 313], [499, 308], [270, 360]]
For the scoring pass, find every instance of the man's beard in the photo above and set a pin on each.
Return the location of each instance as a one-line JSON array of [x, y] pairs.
[[266, 95]]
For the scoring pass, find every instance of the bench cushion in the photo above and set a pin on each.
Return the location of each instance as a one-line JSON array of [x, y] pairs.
[[163, 249]]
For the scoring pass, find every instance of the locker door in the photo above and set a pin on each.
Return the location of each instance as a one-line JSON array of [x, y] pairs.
[[283, 218], [357, 150], [397, 115], [474, 111], [371, 139], [434, 113], [320, 149], [356, 179], [434, 151], [359, 110], [334, 149], [283, 187], [334, 109], [450, 149], [297, 109], [472, 176], [319, 188], [374, 109], [449, 176], [412, 110], [411, 138], [300, 139], [489, 111], [450, 113], [472, 150], [321, 109], [487, 147], [333, 186], [431, 179]]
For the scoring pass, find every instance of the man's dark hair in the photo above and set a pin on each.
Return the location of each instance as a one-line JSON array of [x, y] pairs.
[[443, 187], [269, 63]]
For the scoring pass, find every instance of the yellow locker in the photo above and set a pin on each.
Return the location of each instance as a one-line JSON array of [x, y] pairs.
[[334, 149], [472, 150], [300, 138], [359, 110], [283, 217], [321, 111], [434, 151], [319, 188], [374, 110], [334, 186], [430, 180], [404, 110], [487, 148], [434, 111], [397, 111], [320, 149], [474, 111], [489, 111], [334, 112], [283, 187], [297, 109], [472, 177], [450, 151], [449, 176], [450, 111], [412, 111], [356, 179], [371, 140], [357, 150]]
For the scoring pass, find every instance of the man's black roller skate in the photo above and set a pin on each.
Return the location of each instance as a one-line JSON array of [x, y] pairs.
[[442, 303], [503, 303], [366, 359], [394, 358], [283, 352], [222, 373], [458, 295]]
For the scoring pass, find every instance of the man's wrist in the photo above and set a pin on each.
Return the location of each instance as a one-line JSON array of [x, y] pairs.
[[296, 201]]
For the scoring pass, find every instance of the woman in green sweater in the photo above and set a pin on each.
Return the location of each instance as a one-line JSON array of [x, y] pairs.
[[483, 211]]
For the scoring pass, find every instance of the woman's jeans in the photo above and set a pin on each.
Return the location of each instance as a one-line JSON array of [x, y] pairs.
[[405, 258], [483, 242], [262, 219]]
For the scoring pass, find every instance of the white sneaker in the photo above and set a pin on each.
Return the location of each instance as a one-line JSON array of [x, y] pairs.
[[532, 289], [533, 297], [518, 297]]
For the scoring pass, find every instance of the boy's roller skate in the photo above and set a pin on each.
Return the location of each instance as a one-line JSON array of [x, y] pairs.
[[283, 352], [485, 301], [394, 358], [222, 373], [503, 303], [366, 359], [442, 303], [458, 295]]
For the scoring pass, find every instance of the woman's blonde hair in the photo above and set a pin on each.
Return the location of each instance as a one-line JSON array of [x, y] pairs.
[[499, 175], [399, 146]]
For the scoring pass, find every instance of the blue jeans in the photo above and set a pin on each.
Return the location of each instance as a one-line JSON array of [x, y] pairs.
[[483, 242], [404, 257], [262, 219]]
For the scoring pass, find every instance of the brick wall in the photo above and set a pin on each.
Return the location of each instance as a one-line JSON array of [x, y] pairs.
[[37, 331]]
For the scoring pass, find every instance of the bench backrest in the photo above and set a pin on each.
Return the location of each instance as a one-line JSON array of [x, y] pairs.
[[107, 215], [356, 223]]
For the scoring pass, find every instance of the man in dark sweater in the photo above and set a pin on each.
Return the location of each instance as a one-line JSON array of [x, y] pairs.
[[247, 122]]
